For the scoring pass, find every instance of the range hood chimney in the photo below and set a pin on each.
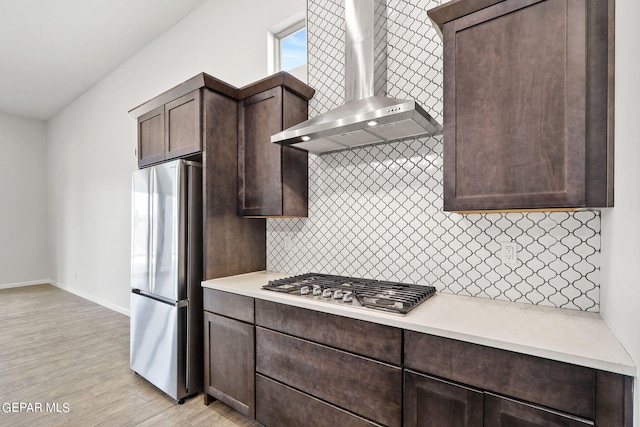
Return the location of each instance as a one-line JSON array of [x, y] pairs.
[[368, 115]]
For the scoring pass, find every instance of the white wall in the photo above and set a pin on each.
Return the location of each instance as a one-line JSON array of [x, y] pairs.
[[23, 237], [91, 143], [620, 276]]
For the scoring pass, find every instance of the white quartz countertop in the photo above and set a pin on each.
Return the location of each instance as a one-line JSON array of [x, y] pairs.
[[570, 336]]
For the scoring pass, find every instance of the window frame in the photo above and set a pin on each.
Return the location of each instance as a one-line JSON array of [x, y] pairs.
[[276, 34]]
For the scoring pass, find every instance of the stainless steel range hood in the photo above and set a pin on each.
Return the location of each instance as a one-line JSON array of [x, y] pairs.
[[368, 116]]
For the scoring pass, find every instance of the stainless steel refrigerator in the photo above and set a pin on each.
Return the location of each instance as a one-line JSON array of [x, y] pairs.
[[166, 274]]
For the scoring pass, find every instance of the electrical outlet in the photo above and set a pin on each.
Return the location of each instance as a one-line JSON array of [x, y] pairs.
[[509, 253]]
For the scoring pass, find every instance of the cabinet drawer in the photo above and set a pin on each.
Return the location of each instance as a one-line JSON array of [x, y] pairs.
[[365, 338], [562, 386], [282, 406], [227, 304], [360, 385], [503, 412]]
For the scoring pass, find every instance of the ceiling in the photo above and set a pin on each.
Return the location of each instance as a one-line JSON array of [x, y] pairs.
[[52, 51]]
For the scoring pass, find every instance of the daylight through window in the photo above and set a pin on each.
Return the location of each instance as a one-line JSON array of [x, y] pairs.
[[293, 49]]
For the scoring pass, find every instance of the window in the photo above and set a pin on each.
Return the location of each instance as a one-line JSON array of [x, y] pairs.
[[287, 44], [293, 50]]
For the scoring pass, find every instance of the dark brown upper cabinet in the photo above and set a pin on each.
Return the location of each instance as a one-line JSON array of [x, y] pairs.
[[272, 179], [528, 103], [170, 125], [170, 131]]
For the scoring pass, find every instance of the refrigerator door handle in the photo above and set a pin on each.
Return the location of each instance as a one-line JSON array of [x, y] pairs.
[[187, 377], [178, 304]]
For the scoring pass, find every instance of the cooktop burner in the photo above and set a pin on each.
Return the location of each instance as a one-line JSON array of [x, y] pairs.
[[380, 295]]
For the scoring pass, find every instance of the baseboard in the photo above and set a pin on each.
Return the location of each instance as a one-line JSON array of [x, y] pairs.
[[21, 284], [91, 298]]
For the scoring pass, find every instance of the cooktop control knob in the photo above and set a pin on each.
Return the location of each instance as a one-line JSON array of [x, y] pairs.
[[304, 290], [337, 294], [347, 297], [326, 293], [317, 290]]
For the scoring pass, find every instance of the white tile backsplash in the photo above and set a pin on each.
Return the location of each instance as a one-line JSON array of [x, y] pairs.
[[376, 212]]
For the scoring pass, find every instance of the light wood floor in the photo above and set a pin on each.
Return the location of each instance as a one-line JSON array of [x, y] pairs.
[[58, 348]]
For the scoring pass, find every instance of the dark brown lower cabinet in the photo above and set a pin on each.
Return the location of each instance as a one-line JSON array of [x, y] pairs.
[[565, 387], [430, 402], [444, 377], [288, 367], [503, 412], [230, 362]]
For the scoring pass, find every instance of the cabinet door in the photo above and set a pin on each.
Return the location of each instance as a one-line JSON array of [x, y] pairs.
[[259, 161], [429, 402], [183, 132], [519, 132], [230, 362], [502, 412], [151, 137]]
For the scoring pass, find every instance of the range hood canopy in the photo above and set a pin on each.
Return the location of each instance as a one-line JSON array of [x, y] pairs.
[[368, 116]]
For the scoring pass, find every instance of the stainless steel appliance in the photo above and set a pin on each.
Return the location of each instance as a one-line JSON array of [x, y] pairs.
[[388, 296], [369, 116], [166, 275]]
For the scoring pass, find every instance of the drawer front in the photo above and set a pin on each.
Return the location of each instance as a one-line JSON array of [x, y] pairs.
[[562, 386], [360, 385], [235, 306], [357, 336], [280, 406], [503, 412]]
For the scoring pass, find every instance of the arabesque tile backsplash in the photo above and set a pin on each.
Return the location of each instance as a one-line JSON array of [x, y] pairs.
[[376, 212]]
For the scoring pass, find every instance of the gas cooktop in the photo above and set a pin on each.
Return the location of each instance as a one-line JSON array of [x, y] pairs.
[[380, 295]]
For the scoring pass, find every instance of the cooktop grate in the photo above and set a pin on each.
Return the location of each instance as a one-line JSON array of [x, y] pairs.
[[379, 295]]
